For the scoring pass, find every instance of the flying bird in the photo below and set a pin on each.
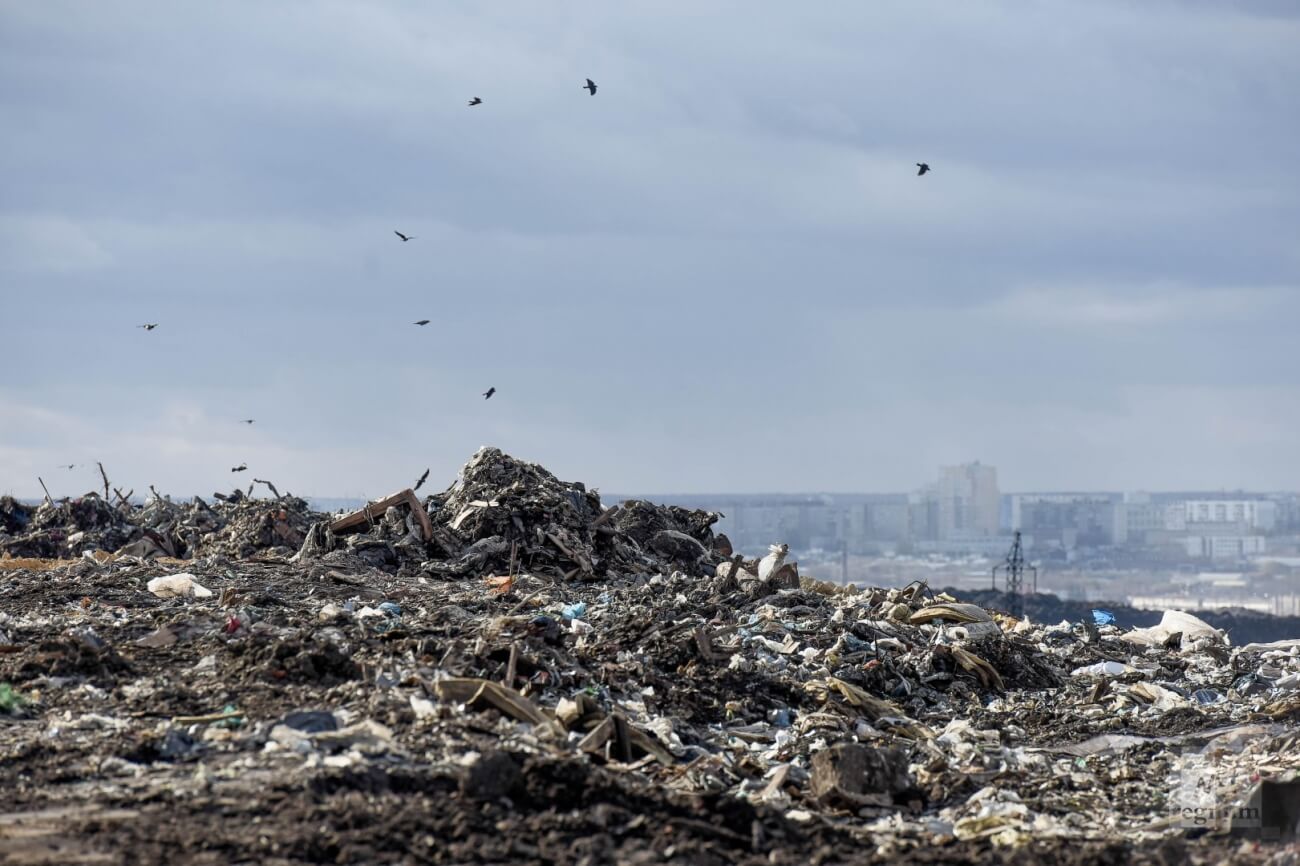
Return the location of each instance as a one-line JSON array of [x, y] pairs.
[[240, 468], [149, 327], [420, 482], [590, 85], [246, 420], [487, 395], [922, 168], [476, 101], [421, 323], [69, 466], [404, 238]]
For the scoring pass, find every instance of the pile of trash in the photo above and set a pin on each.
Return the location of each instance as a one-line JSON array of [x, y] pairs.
[[236, 525], [512, 671], [63, 529], [502, 515]]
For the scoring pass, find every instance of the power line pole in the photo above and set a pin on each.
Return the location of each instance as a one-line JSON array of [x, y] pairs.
[[1013, 572]]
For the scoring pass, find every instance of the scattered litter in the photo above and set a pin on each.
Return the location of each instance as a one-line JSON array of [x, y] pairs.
[[1104, 669], [178, 586]]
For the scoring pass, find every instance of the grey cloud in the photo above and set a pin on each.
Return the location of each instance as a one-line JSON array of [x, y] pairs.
[[732, 224]]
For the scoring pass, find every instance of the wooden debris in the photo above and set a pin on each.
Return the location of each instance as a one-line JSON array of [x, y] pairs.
[[475, 692], [616, 738], [373, 511], [48, 499]]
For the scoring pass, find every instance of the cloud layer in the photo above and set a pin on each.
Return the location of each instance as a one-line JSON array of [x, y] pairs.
[[719, 273]]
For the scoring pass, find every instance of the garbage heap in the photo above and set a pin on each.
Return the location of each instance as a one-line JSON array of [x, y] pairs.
[[63, 529], [501, 515], [236, 525], [504, 515], [397, 691]]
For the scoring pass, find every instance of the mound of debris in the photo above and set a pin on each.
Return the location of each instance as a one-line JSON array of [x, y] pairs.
[[236, 526], [503, 515], [418, 682], [57, 530]]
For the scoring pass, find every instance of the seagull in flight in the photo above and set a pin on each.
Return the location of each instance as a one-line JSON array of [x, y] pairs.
[[421, 323], [922, 167], [590, 85], [68, 466], [246, 420], [404, 238], [487, 395], [476, 101], [240, 468], [148, 327], [423, 478]]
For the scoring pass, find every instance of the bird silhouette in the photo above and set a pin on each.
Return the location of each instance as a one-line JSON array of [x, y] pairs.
[[246, 420], [487, 395], [922, 168], [148, 327], [421, 323], [590, 85], [476, 101], [240, 468], [68, 466], [421, 480], [404, 238]]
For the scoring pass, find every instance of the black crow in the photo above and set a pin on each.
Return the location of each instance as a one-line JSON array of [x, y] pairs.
[[922, 168], [404, 238], [240, 468], [476, 101], [421, 323], [487, 395], [590, 85]]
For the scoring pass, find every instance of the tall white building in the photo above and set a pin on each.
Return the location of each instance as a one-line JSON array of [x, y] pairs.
[[968, 501]]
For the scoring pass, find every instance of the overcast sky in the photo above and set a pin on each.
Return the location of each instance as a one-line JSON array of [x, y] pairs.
[[721, 273]]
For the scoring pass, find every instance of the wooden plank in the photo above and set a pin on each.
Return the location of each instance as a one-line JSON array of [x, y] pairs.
[[374, 511]]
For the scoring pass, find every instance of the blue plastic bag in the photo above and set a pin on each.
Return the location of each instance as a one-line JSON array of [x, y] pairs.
[[1102, 617]]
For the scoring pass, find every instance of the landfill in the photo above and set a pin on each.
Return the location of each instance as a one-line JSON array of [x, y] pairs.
[[514, 670]]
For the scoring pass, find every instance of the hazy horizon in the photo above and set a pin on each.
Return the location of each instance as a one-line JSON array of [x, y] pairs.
[[719, 273]]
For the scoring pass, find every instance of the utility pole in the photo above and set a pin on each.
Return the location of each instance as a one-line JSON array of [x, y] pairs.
[[1013, 572]]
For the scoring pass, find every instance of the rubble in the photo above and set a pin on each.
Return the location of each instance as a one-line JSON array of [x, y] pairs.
[[540, 676]]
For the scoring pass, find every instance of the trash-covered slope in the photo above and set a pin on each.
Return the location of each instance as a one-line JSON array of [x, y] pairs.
[[474, 691]]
